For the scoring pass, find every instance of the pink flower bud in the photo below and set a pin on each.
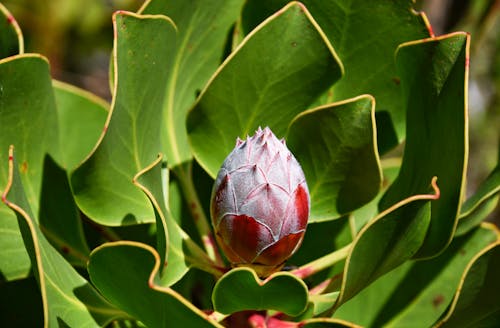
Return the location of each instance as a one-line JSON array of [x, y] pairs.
[[260, 203]]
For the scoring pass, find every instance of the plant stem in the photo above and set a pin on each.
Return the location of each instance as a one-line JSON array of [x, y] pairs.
[[185, 176], [322, 263], [199, 259]]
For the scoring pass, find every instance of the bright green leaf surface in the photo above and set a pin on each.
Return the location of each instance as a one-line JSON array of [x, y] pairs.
[[202, 27], [240, 289], [277, 71], [336, 147], [28, 120], [365, 34], [67, 298], [103, 185], [434, 81], [417, 291], [387, 242], [81, 120], [482, 203], [126, 273], [11, 38], [319, 303], [476, 301], [14, 260]]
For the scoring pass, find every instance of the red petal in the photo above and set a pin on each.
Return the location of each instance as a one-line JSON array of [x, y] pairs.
[[280, 251], [245, 236], [297, 212]]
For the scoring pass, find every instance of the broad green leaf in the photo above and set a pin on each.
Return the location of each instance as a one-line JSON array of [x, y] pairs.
[[476, 301], [240, 289], [126, 273], [202, 28], [387, 242], [337, 148], [81, 120], [434, 83], [59, 218], [19, 298], [417, 291], [14, 260], [67, 297], [365, 34], [28, 120], [276, 72], [11, 37], [483, 202], [174, 246], [130, 140]]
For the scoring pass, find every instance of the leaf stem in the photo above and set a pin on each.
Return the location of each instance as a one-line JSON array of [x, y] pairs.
[[199, 259], [322, 263], [185, 176]]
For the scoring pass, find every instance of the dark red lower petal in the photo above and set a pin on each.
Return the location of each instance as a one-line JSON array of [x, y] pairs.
[[280, 251], [244, 235]]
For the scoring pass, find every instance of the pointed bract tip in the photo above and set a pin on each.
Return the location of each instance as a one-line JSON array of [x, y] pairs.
[[239, 142]]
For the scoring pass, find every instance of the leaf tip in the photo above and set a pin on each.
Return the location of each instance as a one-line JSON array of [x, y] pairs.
[[437, 191]]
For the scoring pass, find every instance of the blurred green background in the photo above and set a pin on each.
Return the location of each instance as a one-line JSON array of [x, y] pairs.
[[76, 36]]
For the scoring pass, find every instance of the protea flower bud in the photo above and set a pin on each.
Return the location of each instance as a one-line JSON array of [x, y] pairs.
[[260, 203]]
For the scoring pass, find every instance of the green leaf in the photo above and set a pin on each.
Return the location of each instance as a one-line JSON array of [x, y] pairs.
[[28, 120], [11, 37], [276, 72], [476, 301], [365, 34], [174, 246], [434, 82], [132, 132], [418, 291], [368, 212], [319, 303], [67, 298], [483, 202], [240, 289], [59, 218], [81, 120], [387, 242], [202, 28], [336, 147], [126, 273]]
